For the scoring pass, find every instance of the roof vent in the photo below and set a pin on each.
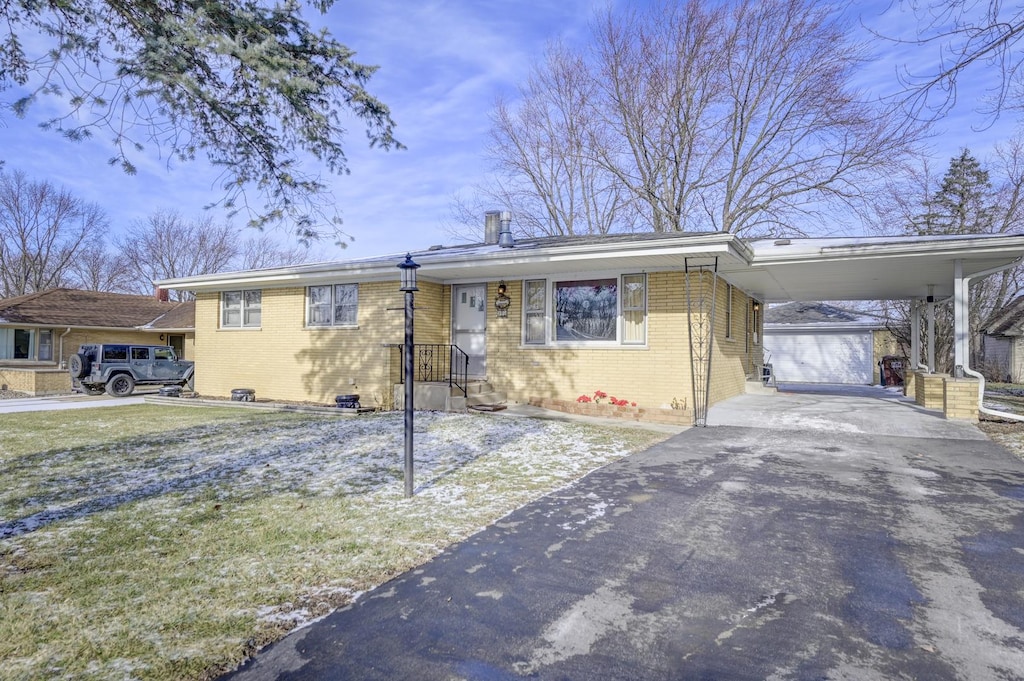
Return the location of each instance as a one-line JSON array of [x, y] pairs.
[[782, 242], [505, 239], [435, 247]]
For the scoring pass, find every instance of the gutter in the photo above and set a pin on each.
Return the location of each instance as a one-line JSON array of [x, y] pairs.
[[982, 409], [60, 357]]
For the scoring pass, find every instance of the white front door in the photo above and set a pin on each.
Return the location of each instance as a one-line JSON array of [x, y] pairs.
[[469, 325]]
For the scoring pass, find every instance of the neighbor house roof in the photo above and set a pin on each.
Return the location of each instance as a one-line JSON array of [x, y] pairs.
[[819, 315], [1007, 320], [771, 270], [95, 309]]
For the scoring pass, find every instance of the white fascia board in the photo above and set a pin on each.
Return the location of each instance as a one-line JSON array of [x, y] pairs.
[[837, 327], [813, 250], [481, 261], [76, 327]]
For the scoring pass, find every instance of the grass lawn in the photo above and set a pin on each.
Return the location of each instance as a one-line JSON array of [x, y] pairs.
[[153, 542]]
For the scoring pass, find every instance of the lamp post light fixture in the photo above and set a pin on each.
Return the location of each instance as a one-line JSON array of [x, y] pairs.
[[408, 268]]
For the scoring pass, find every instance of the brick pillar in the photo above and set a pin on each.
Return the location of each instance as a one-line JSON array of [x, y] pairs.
[[909, 386], [929, 391], [960, 398]]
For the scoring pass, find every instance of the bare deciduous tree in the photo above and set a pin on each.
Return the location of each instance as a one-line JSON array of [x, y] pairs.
[[96, 269], [43, 228], [262, 252], [166, 245], [543, 148], [968, 35], [734, 117]]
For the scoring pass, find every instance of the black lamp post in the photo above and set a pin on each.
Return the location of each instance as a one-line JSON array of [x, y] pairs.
[[408, 268]]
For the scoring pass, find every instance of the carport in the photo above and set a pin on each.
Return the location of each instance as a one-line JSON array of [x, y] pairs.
[[927, 271]]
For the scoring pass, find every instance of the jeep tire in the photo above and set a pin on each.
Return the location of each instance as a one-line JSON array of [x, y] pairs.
[[78, 365], [120, 385]]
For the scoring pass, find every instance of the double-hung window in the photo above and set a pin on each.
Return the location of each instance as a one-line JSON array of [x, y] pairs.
[[241, 309], [336, 305], [600, 311]]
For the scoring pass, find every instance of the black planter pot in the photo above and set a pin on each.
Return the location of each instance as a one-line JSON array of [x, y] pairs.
[[347, 401]]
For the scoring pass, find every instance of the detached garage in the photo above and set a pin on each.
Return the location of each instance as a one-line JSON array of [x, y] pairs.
[[819, 343]]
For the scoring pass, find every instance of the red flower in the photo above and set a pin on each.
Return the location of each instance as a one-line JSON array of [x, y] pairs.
[[632, 404], [583, 398], [600, 393]]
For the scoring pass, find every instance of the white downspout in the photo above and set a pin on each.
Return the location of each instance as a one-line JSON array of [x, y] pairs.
[[964, 300], [60, 355]]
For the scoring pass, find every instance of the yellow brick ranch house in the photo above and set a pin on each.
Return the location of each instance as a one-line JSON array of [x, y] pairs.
[[670, 323]]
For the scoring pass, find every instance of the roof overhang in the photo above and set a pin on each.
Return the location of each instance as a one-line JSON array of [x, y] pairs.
[[780, 270], [878, 268], [477, 263]]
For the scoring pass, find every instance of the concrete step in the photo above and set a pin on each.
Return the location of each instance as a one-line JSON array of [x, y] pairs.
[[474, 388], [756, 387], [478, 399]]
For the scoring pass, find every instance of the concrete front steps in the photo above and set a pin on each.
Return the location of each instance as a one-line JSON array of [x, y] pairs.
[[480, 396]]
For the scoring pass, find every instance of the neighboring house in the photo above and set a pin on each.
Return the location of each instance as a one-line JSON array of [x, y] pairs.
[[551, 319], [1003, 343], [39, 331], [822, 343]]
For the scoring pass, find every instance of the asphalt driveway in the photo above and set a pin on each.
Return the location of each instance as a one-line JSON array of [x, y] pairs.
[[805, 536]]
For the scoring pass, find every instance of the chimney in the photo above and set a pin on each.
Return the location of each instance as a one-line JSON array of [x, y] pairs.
[[492, 226], [162, 294], [505, 239]]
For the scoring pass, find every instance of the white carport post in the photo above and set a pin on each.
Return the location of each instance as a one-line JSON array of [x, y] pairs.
[[961, 301], [915, 335], [931, 334]]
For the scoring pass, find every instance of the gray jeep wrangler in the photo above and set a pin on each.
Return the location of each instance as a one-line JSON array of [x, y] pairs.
[[119, 367]]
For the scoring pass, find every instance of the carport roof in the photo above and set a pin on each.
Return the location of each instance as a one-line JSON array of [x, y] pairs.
[[873, 268], [773, 270]]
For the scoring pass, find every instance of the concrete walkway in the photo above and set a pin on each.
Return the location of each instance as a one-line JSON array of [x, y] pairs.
[[61, 402], [806, 536]]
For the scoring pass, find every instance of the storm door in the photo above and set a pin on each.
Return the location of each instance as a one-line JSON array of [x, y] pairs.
[[469, 325]]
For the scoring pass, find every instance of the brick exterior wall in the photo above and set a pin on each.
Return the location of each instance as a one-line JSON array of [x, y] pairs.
[[285, 360], [654, 376], [36, 381]]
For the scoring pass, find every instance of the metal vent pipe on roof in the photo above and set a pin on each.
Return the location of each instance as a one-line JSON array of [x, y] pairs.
[[492, 226], [505, 239]]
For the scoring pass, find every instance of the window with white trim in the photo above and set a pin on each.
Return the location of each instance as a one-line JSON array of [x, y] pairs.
[[605, 310], [634, 309], [336, 305], [241, 309], [534, 311], [28, 343]]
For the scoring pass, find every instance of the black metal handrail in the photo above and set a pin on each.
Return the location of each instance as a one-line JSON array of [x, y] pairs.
[[437, 363]]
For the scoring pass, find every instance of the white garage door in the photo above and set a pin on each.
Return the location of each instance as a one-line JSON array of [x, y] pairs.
[[821, 357]]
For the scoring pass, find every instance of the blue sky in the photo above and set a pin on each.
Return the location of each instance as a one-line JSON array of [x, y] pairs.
[[442, 63]]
